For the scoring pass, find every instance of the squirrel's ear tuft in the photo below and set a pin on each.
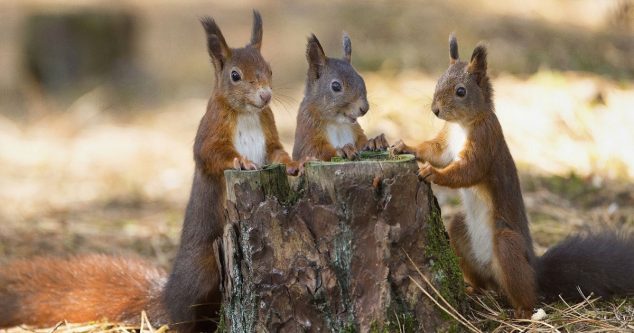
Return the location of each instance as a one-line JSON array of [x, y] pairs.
[[216, 44], [478, 64], [256, 34], [347, 47], [453, 49], [315, 56]]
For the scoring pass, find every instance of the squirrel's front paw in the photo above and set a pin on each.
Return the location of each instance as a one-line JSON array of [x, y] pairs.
[[349, 152], [294, 168], [242, 163], [428, 173], [377, 143], [399, 148]]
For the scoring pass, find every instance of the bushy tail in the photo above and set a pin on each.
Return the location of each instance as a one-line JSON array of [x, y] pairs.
[[599, 263], [44, 291]]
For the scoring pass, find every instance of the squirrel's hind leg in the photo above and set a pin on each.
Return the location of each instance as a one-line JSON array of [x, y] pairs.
[[513, 272]]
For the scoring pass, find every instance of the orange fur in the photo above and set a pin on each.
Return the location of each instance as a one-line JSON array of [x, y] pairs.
[[44, 291], [430, 151], [493, 240], [216, 151], [242, 78]]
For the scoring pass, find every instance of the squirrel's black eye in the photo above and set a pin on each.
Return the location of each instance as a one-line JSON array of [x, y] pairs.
[[336, 86], [461, 92], [235, 76]]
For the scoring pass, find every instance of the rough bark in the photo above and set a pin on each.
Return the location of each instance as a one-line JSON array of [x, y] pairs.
[[329, 250]]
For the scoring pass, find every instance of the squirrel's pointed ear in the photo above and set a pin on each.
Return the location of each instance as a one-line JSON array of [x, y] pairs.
[[216, 44], [453, 49], [256, 34], [478, 64], [316, 57], [347, 47]]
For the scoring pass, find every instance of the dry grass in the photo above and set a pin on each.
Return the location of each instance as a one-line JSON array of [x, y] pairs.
[[99, 327], [590, 315], [487, 314]]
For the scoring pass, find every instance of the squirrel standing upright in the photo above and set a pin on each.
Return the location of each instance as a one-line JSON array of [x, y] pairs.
[[334, 97], [237, 131], [492, 239]]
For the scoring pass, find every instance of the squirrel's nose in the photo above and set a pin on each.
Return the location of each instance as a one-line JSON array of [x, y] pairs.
[[364, 109], [435, 110], [265, 96]]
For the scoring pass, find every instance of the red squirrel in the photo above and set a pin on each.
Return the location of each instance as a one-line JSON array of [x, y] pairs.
[[334, 97], [237, 131], [492, 238]]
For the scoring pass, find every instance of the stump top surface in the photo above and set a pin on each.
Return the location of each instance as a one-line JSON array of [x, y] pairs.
[[368, 158]]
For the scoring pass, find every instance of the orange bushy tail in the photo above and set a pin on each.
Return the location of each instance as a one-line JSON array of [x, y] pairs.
[[43, 291]]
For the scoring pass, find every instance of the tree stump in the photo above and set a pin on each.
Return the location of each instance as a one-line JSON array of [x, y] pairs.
[[338, 249]]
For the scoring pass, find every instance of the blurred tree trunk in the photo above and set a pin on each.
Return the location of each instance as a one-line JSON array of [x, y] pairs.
[[329, 252]]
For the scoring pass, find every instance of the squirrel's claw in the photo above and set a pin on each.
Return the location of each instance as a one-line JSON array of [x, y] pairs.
[[236, 163], [383, 144], [303, 163], [399, 148], [377, 143], [349, 151], [370, 145], [427, 172], [242, 163], [296, 168], [248, 165], [293, 168]]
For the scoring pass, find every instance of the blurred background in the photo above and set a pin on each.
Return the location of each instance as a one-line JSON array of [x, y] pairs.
[[100, 101]]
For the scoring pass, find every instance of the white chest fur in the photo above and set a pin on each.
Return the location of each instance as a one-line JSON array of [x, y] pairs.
[[478, 220], [456, 139], [248, 138], [339, 134], [475, 199]]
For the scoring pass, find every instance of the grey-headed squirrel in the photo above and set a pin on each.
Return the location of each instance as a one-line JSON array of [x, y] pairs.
[[334, 97]]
